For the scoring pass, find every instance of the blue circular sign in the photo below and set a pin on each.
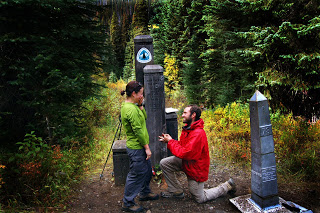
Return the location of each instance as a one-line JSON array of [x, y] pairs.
[[144, 55]]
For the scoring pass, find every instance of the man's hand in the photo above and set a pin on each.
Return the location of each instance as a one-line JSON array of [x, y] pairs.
[[165, 138]]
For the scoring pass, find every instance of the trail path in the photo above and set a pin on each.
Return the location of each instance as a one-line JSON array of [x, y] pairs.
[[95, 195]]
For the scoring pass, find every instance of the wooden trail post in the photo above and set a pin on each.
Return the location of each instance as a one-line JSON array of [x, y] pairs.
[[143, 51], [155, 108]]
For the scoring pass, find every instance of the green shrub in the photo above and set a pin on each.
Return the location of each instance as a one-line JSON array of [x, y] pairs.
[[297, 145], [39, 174]]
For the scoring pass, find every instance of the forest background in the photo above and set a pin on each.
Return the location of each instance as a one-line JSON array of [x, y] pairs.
[[63, 64]]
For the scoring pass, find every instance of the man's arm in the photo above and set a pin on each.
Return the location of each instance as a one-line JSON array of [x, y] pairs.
[[191, 150], [165, 138]]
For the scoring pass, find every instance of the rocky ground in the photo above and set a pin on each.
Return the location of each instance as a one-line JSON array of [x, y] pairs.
[[95, 195]]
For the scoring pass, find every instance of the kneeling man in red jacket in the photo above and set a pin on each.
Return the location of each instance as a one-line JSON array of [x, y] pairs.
[[191, 155]]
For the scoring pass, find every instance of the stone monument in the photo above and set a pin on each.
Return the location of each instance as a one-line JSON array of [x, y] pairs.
[[264, 187], [155, 108], [143, 51]]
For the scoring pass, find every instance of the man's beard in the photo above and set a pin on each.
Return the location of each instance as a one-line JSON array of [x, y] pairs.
[[188, 121]]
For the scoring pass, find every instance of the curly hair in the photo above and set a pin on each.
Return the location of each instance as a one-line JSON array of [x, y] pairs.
[[195, 109]]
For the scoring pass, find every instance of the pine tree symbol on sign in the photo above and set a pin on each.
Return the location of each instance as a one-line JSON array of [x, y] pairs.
[[144, 55]]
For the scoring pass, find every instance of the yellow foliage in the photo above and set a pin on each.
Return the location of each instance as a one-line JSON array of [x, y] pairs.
[[228, 131], [171, 73], [119, 85]]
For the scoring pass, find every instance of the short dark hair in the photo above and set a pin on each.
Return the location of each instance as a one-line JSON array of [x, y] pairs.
[[132, 86], [195, 109]]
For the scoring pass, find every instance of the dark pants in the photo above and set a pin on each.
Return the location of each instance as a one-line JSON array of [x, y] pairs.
[[139, 176]]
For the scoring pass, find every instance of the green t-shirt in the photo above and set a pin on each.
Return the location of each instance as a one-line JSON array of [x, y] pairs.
[[134, 123]]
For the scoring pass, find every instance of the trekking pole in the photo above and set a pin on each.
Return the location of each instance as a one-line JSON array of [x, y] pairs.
[[115, 135]]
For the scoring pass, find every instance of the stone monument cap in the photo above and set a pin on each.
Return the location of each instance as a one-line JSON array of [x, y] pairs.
[[171, 110], [152, 69], [119, 146], [143, 39], [171, 113], [257, 96]]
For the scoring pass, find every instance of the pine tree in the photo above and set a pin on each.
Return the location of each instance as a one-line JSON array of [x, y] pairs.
[[139, 26], [287, 45], [157, 31], [49, 51], [116, 41], [125, 27], [193, 77], [128, 69], [140, 18], [276, 39], [169, 32], [228, 76]]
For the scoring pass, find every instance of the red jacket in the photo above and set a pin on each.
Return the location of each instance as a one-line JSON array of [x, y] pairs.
[[193, 150]]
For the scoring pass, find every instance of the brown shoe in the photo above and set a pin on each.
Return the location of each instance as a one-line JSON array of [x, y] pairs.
[[135, 208], [150, 196]]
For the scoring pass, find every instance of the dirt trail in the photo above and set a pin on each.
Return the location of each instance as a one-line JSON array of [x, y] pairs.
[[94, 195]]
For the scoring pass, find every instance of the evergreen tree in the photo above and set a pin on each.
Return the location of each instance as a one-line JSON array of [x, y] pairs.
[[194, 65], [286, 46], [277, 40], [49, 51], [169, 32], [140, 18], [128, 69], [139, 26], [125, 27], [157, 31], [228, 77], [116, 41], [229, 48]]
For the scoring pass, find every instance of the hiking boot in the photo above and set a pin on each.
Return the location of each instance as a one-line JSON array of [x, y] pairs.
[[135, 208], [167, 194], [150, 196], [232, 185]]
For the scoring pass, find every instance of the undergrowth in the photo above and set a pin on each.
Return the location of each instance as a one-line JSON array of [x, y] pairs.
[[40, 175]]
